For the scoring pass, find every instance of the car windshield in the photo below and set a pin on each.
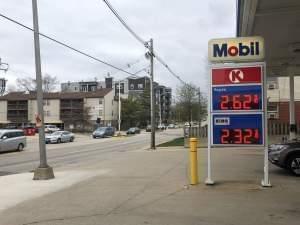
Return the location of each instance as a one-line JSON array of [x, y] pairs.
[[57, 133], [101, 129]]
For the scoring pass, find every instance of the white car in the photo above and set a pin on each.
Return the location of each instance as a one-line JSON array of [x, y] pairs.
[[51, 128], [12, 140], [59, 137], [171, 126]]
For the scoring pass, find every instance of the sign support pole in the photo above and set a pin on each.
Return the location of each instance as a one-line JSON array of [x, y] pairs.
[[209, 180], [266, 182]]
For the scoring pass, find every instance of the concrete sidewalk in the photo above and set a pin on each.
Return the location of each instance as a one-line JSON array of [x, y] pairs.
[[151, 187]]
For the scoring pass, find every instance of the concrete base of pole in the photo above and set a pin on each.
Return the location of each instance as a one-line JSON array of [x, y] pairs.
[[266, 184], [43, 173], [209, 182]]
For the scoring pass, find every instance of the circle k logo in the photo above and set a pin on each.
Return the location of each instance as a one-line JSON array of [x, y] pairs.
[[236, 76]]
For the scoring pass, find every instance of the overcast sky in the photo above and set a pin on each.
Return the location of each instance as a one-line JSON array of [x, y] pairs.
[[180, 29]]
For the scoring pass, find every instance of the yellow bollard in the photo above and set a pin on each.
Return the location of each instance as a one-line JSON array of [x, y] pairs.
[[193, 161]]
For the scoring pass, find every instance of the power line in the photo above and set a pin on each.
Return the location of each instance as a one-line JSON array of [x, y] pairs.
[[145, 44], [128, 65], [168, 68], [125, 25], [65, 45], [141, 70]]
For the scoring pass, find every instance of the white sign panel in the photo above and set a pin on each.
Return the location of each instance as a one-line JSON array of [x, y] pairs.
[[236, 49]]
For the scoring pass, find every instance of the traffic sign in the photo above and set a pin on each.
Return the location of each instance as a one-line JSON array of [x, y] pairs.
[[237, 129]]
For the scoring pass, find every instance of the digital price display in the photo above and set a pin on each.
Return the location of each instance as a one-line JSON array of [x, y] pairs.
[[237, 129], [237, 98]]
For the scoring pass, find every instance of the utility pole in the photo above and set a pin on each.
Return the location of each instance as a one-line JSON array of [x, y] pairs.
[[119, 120], [43, 172], [152, 99]]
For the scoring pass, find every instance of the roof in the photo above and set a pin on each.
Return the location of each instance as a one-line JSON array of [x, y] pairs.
[[56, 95], [277, 21]]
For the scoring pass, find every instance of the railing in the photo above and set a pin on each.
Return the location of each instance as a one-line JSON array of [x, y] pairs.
[[279, 128], [195, 132]]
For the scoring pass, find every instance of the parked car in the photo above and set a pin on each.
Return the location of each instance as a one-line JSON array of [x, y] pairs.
[[103, 132], [51, 128], [12, 140], [286, 155], [148, 128], [60, 136], [171, 126], [133, 130], [161, 126]]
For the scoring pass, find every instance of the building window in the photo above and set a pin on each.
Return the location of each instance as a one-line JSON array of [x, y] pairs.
[[47, 113], [100, 102], [100, 112], [272, 107], [46, 102], [140, 86], [131, 86]]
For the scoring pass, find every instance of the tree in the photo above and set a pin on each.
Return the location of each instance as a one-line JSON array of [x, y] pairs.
[[191, 104], [131, 111], [29, 84], [145, 112], [86, 117]]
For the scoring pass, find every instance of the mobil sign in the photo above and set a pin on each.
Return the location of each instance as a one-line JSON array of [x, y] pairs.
[[236, 49]]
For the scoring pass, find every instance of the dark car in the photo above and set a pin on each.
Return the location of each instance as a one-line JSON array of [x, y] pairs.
[[133, 130], [103, 132], [148, 128], [286, 155]]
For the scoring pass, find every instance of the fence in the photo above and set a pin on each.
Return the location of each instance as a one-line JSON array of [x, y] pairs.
[[194, 132]]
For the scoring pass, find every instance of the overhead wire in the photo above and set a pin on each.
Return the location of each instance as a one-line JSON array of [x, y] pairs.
[[65, 45], [142, 41], [125, 24], [128, 65]]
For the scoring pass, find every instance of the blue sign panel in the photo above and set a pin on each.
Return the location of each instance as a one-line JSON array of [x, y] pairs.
[[237, 129], [237, 98]]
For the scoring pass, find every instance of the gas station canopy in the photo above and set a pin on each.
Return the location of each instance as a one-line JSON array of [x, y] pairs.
[[278, 22]]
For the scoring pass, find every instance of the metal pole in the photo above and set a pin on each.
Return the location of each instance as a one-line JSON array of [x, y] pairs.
[[292, 107], [152, 97], [199, 114], [209, 180], [119, 121], [43, 172], [265, 182], [159, 96]]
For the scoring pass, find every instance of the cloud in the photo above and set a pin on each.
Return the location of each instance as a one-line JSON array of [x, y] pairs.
[[180, 29]]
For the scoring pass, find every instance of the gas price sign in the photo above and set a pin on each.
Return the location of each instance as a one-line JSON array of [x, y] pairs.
[[237, 105], [238, 129], [237, 98]]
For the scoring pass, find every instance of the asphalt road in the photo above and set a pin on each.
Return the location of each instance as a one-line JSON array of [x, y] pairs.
[[82, 152]]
